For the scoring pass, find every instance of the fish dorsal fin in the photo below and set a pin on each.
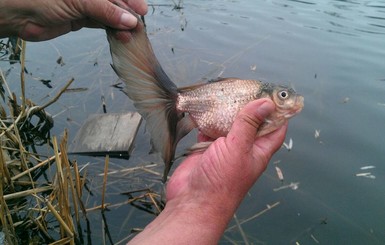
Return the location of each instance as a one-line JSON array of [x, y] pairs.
[[198, 85], [222, 79]]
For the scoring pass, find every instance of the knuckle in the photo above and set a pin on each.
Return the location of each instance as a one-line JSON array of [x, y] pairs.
[[252, 120]]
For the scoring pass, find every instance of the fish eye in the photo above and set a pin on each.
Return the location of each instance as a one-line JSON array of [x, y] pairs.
[[283, 94]]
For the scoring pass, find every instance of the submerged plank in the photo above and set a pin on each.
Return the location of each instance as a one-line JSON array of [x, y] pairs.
[[103, 134]]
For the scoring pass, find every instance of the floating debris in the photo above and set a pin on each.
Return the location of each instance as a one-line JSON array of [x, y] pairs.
[[292, 185], [317, 133], [366, 175], [314, 239], [253, 67], [104, 104], [345, 100], [60, 61], [279, 173], [363, 174], [46, 82], [367, 167], [75, 90], [288, 146]]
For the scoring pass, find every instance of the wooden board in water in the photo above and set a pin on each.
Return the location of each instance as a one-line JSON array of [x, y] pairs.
[[103, 134]]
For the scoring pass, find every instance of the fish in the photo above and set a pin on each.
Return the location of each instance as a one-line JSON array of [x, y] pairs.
[[171, 112]]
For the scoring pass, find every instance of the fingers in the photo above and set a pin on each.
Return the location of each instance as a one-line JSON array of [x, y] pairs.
[[83, 13], [140, 7], [109, 14], [115, 14], [268, 144], [247, 122]]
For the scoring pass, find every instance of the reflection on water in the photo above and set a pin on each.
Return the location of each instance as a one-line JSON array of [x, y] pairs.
[[332, 52]]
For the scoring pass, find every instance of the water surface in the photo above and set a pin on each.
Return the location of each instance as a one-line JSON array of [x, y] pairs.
[[332, 52]]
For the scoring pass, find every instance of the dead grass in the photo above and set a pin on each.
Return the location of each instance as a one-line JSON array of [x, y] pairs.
[[27, 205], [41, 197]]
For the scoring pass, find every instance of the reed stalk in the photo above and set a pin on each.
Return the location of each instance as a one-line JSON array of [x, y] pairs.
[[107, 160]]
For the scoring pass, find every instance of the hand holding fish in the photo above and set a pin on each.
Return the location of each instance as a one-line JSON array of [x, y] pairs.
[[38, 20], [241, 155], [206, 188], [171, 112], [246, 121]]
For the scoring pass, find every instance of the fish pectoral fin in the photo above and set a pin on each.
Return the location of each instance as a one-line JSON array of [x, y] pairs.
[[198, 148]]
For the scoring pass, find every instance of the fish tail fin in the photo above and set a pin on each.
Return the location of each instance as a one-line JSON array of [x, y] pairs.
[[153, 93]]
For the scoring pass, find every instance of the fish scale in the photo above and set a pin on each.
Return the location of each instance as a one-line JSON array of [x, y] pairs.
[[213, 106]]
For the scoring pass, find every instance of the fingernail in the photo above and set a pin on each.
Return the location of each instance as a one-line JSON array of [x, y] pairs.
[[128, 20], [265, 109]]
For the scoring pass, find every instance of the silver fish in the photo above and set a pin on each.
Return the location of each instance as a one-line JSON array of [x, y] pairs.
[[171, 112]]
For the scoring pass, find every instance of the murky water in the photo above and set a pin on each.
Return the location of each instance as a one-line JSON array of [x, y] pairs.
[[332, 52]]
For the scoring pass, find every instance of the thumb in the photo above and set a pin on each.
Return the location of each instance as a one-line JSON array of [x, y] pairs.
[[247, 122]]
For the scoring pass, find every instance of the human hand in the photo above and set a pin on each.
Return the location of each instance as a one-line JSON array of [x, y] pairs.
[[38, 20], [233, 163], [206, 188]]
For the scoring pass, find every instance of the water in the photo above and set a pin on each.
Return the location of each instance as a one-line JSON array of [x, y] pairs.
[[332, 52]]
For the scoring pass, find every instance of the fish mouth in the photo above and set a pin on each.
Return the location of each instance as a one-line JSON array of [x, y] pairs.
[[299, 104]]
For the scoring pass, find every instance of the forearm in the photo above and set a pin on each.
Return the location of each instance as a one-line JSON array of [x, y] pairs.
[[186, 222]]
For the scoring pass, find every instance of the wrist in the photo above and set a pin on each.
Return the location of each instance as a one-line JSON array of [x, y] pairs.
[[191, 221], [205, 213]]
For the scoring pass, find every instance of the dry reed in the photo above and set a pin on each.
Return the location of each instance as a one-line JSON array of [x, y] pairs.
[[46, 210], [21, 190]]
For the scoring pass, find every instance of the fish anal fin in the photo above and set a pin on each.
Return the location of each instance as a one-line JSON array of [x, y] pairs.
[[184, 126]]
